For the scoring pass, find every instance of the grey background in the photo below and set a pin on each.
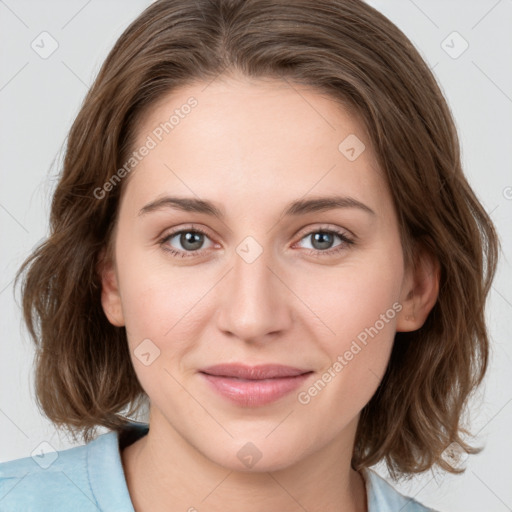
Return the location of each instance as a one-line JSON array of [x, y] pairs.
[[39, 99]]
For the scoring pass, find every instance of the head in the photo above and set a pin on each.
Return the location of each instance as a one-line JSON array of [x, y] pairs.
[[234, 102]]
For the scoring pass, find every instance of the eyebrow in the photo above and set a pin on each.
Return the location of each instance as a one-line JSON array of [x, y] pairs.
[[295, 208]]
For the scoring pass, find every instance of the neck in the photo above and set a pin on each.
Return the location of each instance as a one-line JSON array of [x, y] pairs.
[[164, 472]]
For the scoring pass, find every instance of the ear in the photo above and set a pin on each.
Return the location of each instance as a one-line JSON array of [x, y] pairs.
[[420, 290], [110, 296]]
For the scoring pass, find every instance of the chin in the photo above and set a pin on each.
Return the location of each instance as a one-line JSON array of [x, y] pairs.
[[256, 456]]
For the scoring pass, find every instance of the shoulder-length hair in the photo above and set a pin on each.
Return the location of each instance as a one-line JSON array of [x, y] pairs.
[[351, 52]]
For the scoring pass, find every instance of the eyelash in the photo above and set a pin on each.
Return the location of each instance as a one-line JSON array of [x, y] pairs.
[[346, 243]]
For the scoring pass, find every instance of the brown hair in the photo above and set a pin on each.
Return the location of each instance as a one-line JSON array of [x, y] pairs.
[[348, 50]]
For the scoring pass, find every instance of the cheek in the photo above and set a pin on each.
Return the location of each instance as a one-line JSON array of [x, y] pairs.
[[357, 357], [155, 306], [355, 312], [159, 313], [350, 298], [160, 308]]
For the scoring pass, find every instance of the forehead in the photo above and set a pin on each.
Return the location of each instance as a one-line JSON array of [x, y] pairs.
[[249, 139]]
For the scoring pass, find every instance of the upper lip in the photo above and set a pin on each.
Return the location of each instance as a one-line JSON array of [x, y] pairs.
[[264, 371]]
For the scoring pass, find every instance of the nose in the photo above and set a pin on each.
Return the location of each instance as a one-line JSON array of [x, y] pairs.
[[255, 299]]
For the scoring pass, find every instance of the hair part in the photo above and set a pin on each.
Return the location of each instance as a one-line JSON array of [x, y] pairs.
[[355, 55]]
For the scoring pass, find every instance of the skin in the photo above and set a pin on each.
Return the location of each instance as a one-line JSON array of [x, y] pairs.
[[251, 147]]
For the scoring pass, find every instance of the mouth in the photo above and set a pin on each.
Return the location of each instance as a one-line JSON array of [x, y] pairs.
[[260, 372], [254, 386]]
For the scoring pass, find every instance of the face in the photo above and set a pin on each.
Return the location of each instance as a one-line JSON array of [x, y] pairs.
[[319, 290]]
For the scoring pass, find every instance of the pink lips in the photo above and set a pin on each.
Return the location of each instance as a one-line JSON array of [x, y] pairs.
[[252, 386]]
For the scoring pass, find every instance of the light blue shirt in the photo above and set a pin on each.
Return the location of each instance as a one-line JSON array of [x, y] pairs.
[[91, 478]]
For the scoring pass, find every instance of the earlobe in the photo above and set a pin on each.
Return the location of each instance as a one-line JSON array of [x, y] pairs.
[[420, 292], [110, 296]]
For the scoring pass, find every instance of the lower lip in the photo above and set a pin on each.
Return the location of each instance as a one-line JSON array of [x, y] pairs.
[[253, 393]]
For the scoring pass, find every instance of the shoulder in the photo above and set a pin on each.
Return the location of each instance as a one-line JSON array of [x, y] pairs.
[[56, 480], [383, 497]]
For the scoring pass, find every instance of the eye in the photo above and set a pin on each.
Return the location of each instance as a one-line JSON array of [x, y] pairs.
[[191, 239], [322, 240]]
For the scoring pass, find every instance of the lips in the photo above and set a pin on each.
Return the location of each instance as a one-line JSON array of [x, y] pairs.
[[254, 386]]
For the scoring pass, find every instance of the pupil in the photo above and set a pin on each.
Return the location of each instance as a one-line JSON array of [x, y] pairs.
[[323, 239], [188, 238]]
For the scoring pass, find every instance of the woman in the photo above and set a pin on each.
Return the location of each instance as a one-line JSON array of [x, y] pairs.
[[275, 373]]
